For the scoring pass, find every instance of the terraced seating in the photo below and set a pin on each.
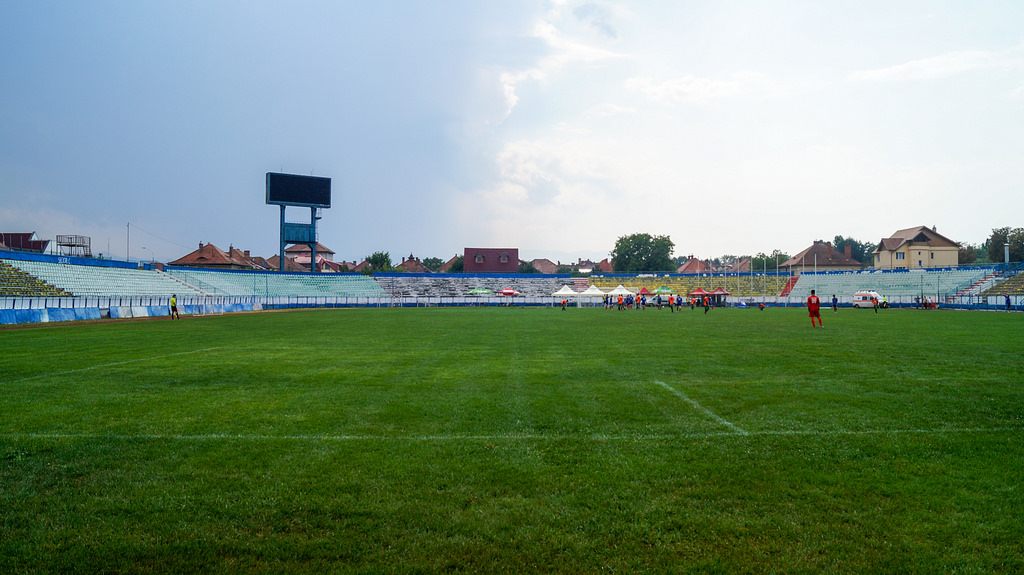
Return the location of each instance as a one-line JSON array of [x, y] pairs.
[[79, 280], [273, 284], [1012, 286], [457, 286], [902, 283], [15, 282], [738, 285]]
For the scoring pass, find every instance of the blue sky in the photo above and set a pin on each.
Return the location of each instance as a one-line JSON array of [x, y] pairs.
[[554, 127]]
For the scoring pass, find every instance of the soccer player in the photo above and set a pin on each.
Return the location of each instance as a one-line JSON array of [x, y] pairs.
[[174, 307], [814, 308], [707, 304], [835, 303]]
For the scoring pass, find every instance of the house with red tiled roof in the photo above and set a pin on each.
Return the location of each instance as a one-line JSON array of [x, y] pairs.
[[821, 256], [290, 265], [916, 248], [447, 266], [483, 260], [210, 256], [544, 266], [741, 265], [604, 266], [262, 263], [412, 264], [302, 251], [693, 266]]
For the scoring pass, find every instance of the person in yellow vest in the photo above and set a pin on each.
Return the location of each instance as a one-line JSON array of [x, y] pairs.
[[174, 307]]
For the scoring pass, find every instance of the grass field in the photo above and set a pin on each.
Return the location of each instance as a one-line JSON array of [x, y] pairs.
[[515, 440]]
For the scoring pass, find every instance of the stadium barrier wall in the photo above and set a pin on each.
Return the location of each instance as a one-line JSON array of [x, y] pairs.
[[18, 310]]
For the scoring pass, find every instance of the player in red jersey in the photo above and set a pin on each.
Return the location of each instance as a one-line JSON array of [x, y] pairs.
[[814, 308]]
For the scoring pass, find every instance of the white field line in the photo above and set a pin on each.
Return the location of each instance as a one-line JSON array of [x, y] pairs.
[[104, 365], [440, 438], [701, 408]]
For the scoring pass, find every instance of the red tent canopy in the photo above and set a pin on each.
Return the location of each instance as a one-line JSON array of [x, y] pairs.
[[720, 291], [644, 291], [699, 291]]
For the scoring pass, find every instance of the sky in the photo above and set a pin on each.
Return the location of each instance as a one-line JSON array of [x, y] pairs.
[[552, 126]]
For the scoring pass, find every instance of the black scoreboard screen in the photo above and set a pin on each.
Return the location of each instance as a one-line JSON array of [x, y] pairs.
[[295, 190]]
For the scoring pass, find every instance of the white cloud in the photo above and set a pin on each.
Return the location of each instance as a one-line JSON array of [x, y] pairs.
[[609, 110], [563, 52], [695, 90], [939, 67]]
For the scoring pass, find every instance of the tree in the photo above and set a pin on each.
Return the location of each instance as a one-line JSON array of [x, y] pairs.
[[999, 238], [863, 252], [433, 264], [527, 268], [643, 253], [563, 269], [378, 262], [457, 266], [770, 262], [968, 253]]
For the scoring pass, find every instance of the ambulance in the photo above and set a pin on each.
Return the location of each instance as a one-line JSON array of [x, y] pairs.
[[863, 299]]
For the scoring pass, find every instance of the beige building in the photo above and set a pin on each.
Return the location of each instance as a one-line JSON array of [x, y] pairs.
[[916, 248]]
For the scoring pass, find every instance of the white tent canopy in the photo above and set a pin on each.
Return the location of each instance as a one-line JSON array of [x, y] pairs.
[[620, 291], [592, 291], [566, 290]]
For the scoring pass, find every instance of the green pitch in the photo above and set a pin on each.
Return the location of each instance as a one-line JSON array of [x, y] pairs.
[[515, 440]]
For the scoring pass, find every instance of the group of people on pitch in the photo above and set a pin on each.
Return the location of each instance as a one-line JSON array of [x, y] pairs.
[[641, 302]]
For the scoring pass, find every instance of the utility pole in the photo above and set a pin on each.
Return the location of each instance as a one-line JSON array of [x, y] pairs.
[[128, 243]]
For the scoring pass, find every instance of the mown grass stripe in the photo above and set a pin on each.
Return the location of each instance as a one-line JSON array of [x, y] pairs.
[[499, 437], [111, 364]]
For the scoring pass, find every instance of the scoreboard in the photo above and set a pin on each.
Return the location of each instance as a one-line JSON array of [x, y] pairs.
[[296, 190]]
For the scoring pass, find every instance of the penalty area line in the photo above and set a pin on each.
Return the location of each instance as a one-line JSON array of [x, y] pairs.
[[739, 430], [111, 364]]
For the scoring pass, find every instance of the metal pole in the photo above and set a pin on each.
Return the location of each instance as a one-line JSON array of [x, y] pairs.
[[280, 263], [312, 251], [128, 243]]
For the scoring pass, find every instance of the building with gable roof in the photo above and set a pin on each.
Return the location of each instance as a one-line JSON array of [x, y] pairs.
[[822, 257], [694, 266], [544, 266], [483, 260], [24, 241], [412, 264], [210, 256], [916, 248]]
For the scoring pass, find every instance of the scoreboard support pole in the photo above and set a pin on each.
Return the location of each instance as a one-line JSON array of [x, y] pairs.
[[312, 247], [280, 263]]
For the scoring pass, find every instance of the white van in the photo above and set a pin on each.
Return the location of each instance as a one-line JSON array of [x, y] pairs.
[[863, 299]]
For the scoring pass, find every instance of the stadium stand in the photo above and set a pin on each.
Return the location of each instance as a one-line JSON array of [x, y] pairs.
[[738, 285], [444, 285], [15, 282], [1013, 285], [83, 280], [272, 284], [941, 283]]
